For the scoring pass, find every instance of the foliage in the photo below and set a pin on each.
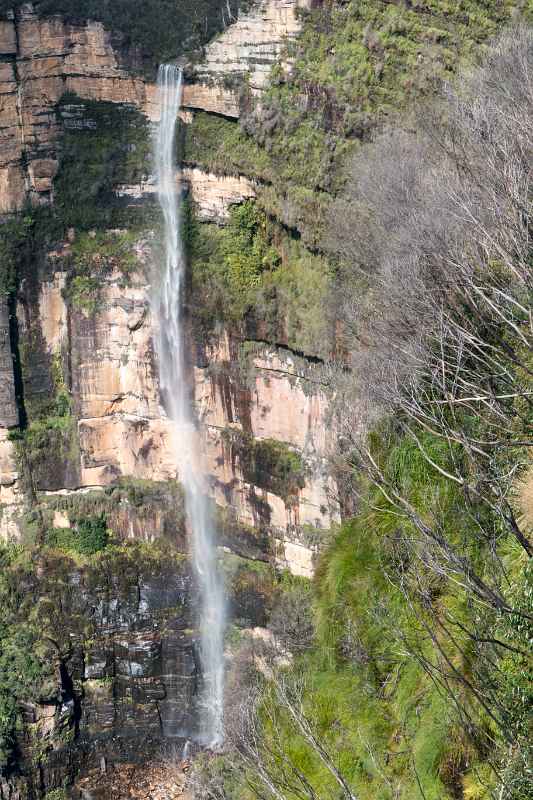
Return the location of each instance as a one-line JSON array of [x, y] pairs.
[[374, 686], [354, 64], [251, 587], [47, 611], [88, 536], [13, 246], [94, 255], [251, 273], [104, 145], [291, 620], [21, 665], [230, 263], [419, 680], [246, 251], [219, 145]]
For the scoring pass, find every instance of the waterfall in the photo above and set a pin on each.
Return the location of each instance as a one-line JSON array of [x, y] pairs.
[[176, 396]]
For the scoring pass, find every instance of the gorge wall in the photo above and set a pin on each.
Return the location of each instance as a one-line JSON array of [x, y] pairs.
[[84, 440], [315, 259], [113, 377]]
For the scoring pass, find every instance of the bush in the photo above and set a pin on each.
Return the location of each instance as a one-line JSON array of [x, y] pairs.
[[14, 235], [291, 620], [21, 668], [88, 536], [252, 274]]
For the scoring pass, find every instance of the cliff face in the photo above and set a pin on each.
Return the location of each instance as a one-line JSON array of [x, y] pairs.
[[250, 47], [42, 59], [107, 353], [244, 392], [121, 666], [79, 373]]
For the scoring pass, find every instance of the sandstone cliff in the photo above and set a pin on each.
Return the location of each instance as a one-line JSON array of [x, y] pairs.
[[78, 374], [108, 354]]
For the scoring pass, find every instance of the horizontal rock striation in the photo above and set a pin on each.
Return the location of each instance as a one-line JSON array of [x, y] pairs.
[[122, 672], [213, 195], [247, 49], [41, 60]]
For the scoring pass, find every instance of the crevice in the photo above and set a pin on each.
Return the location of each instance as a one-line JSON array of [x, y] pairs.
[[286, 348], [219, 114], [20, 115], [17, 365]]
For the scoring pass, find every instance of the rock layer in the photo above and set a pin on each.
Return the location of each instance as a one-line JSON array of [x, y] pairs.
[[249, 48], [121, 430], [42, 59]]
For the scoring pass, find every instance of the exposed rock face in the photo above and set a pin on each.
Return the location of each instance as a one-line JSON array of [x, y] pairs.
[[250, 47], [122, 430], [139, 672], [283, 403], [211, 97], [120, 424], [112, 379], [213, 195], [42, 60], [125, 666], [130, 675], [10, 494]]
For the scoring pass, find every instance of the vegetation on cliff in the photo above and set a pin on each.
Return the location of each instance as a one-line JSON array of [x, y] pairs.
[[354, 64], [257, 279], [50, 627], [402, 671], [417, 682]]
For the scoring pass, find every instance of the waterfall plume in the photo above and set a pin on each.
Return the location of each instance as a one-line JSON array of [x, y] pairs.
[[176, 396]]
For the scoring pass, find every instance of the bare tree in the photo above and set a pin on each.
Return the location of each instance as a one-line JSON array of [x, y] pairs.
[[437, 224]]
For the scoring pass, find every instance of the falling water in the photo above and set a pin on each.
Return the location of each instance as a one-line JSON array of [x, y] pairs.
[[168, 307]]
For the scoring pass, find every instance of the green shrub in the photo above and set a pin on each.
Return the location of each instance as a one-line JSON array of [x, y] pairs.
[[94, 255], [252, 272], [221, 146], [387, 680], [56, 794], [21, 667], [88, 536], [14, 234], [83, 293], [354, 63], [247, 251]]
